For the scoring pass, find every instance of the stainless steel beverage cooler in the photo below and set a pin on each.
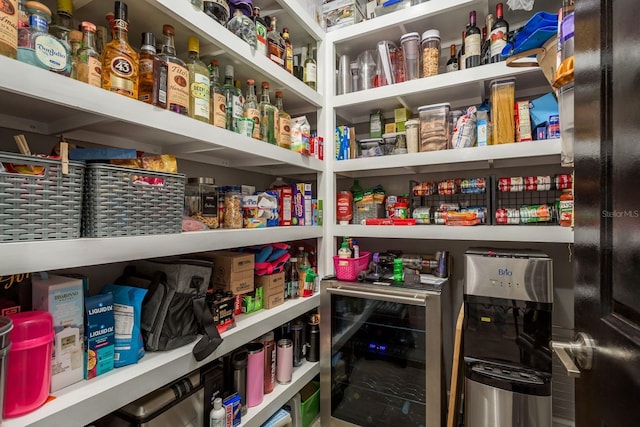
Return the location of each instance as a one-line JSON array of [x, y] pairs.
[[380, 355], [508, 299]]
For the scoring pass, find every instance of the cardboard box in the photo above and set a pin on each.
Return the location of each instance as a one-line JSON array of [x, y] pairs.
[[232, 271], [63, 297], [401, 115], [389, 128], [302, 211], [272, 289], [523, 122], [285, 202]]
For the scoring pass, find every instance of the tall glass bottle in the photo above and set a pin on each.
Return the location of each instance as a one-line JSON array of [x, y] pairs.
[[153, 74], [261, 31], [452, 63], [310, 70], [231, 96], [238, 104], [275, 44], [177, 74], [44, 50], [499, 32], [472, 42], [75, 41], [62, 25], [244, 27], [268, 116], [89, 65], [461, 58], [283, 129], [199, 97], [9, 14], [288, 51], [119, 60], [6, 34], [252, 108], [218, 99]]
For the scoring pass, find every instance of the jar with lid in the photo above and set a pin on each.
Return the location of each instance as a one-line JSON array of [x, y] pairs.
[[430, 52], [201, 200], [233, 207], [413, 135], [401, 143]]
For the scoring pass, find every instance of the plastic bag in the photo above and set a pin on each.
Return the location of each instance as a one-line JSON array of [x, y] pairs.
[[464, 134]]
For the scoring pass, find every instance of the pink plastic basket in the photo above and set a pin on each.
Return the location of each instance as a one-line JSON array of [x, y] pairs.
[[348, 268]]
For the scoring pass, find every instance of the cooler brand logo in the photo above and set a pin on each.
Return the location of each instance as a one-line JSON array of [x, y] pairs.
[[99, 310], [121, 66], [66, 295], [102, 331], [504, 272], [7, 7]]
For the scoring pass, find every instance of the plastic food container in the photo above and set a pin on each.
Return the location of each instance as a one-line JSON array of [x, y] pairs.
[[565, 107], [434, 127], [233, 207], [5, 344], [503, 93], [201, 199], [412, 128], [430, 52], [370, 147], [410, 56], [28, 362]]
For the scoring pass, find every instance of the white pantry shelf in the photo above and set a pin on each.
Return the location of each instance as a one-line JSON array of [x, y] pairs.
[[90, 400], [20, 257]]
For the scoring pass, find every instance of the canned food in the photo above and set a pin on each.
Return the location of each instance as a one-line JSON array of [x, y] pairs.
[[511, 184], [564, 181], [447, 188], [473, 186], [507, 216], [537, 183]]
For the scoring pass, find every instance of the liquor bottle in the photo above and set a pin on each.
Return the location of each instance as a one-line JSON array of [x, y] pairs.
[[110, 18], [288, 51], [461, 58], [275, 43], [199, 97], [218, 10], [238, 104], [197, 4], [218, 100], [261, 31], [44, 50], [177, 74], [228, 89], [152, 88], [310, 70], [244, 27], [75, 41], [283, 130], [9, 14], [268, 116], [119, 60], [294, 291], [252, 108], [499, 32], [297, 69], [287, 280], [452, 63], [63, 22], [101, 38], [472, 42], [89, 68], [6, 34]]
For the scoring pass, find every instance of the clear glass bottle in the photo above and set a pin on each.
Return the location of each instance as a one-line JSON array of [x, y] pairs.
[[119, 59], [62, 25], [44, 50], [75, 41], [101, 38], [283, 130], [9, 23], [242, 26], [268, 116], [310, 70], [218, 10], [218, 99], [23, 28], [275, 44], [231, 94], [288, 51], [197, 4], [261, 31], [252, 108], [153, 74], [238, 105], [88, 60], [199, 97], [177, 74]]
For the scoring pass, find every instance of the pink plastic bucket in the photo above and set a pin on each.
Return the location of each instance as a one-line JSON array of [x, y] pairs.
[[28, 362]]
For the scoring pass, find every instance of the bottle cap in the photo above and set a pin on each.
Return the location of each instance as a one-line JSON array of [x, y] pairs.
[[148, 39], [193, 44], [217, 403], [75, 36], [121, 10], [65, 7], [228, 71], [278, 94], [36, 5], [214, 62], [88, 26], [168, 29], [265, 85], [250, 82]]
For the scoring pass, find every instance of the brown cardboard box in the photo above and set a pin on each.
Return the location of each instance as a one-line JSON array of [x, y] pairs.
[[272, 289], [232, 271]]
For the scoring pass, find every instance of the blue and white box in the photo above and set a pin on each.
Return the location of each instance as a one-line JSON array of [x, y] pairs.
[[99, 338]]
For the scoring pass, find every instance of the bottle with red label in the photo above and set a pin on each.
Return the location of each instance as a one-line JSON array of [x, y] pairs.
[[344, 206]]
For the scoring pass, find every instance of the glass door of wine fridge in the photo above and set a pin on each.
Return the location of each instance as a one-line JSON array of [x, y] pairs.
[[380, 361]]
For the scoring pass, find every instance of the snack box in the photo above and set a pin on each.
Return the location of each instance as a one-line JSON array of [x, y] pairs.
[[99, 338]]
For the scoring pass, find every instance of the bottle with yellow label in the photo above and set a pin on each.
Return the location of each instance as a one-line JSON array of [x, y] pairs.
[[9, 28], [283, 129], [177, 74], [199, 95], [89, 68], [119, 60]]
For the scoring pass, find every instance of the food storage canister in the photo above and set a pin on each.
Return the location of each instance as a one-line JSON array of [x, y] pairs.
[[412, 128], [410, 55], [232, 207], [434, 127], [430, 52], [503, 92], [565, 107], [201, 200]]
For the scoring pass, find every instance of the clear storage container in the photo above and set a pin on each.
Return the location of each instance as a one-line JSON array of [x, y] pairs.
[[430, 52], [201, 200], [233, 207], [434, 127], [410, 55], [565, 107], [412, 127], [503, 93]]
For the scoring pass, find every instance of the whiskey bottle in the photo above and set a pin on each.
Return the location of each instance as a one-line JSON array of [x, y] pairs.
[[199, 97], [275, 44], [310, 70], [119, 60], [283, 129], [251, 107], [9, 14], [177, 74], [153, 74], [218, 99], [268, 116], [261, 31], [75, 40], [44, 50], [89, 67], [288, 51]]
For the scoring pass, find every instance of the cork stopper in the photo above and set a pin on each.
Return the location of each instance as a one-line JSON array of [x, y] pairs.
[[168, 29], [88, 26], [75, 36], [265, 85]]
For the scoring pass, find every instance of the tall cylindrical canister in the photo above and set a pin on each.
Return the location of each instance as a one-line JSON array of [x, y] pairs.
[[255, 374], [344, 75], [239, 362], [298, 343], [284, 361], [313, 351], [269, 343]]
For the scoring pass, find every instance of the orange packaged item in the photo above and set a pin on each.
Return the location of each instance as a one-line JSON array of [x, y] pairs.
[[344, 207]]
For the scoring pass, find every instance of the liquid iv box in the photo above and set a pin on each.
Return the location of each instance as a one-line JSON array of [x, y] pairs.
[[63, 297], [99, 338]]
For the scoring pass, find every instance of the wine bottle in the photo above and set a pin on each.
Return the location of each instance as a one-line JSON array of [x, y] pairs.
[[472, 42], [499, 32], [452, 63]]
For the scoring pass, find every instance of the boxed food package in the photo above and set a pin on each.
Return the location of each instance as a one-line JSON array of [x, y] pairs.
[[342, 143], [272, 289], [341, 13], [252, 301], [63, 297], [222, 307], [523, 122], [302, 212], [99, 338], [231, 405], [401, 115], [232, 271], [260, 210], [285, 204], [300, 135]]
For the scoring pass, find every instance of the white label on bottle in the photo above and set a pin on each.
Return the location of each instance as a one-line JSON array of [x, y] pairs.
[[237, 106], [200, 94], [261, 37], [472, 45], [178, 86], [51, 52], [310, 73], [452, 67], [219, 105], [498, 41]]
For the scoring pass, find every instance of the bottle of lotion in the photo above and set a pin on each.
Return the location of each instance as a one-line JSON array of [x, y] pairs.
[[218, 415]]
